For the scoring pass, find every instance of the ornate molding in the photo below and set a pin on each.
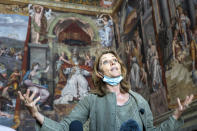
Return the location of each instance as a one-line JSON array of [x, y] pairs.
[[13, 9], [65, 6]]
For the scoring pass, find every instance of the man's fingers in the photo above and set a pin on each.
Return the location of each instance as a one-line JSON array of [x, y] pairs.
[[32, 96], [190, 99], [186, 100], [21, 96], [179, 103], [36, 100], [28, 92], [26, 98]]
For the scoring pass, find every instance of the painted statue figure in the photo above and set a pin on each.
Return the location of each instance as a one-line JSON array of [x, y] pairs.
[[182, 25], [37, 19], [106, 33], [143, 76], [136, 51], [135, 74], [156, 75], [40, 15], [154, 66]]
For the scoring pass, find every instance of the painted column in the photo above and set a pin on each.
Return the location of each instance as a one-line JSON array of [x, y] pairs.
[[191, 10], [164, 10], [51, 64]]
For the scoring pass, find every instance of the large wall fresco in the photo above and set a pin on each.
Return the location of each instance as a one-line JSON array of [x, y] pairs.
[[57, 59], [12, 38], [62, 50], [143, 64], [181, 74]]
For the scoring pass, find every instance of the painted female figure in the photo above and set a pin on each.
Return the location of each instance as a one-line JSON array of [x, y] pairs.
[[32, 80]]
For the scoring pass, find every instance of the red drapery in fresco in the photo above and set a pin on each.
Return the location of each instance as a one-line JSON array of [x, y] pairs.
[[62, 83], [24, 69]]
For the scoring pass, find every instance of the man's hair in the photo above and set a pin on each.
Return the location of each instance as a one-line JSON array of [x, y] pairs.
[[100, 86]]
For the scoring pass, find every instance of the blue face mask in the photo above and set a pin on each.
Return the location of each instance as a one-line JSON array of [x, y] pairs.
[[112, 81]]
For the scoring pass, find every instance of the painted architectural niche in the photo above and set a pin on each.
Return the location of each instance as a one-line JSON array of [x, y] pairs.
[[68, 44]]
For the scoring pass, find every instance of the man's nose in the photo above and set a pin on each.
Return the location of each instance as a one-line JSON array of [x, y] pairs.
[[112, 62]]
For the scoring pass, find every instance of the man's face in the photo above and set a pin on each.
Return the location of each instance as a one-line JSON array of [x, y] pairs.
[[109, 65]]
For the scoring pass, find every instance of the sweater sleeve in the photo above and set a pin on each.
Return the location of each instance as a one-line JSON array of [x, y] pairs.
[[171, 124], [80, 112]]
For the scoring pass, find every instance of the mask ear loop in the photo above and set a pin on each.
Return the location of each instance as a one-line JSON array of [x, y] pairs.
[[99, 74]]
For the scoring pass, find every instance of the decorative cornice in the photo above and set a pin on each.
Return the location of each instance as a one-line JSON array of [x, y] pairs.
[[67, 7]]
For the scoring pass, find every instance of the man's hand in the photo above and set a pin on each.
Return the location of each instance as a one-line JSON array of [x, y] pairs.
[[182, 106], [29, 101]]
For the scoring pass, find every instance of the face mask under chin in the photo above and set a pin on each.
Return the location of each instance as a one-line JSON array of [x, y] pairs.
[[112, 81]]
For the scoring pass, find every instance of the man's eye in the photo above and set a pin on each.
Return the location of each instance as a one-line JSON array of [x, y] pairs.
[[115, 60], [105, 62]]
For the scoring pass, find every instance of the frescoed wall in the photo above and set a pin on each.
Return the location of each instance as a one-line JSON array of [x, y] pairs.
[[65, 54], [54, 57], [12, 38], [181, 73]]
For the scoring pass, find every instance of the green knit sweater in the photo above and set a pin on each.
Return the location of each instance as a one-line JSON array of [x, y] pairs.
[[102, 112]]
